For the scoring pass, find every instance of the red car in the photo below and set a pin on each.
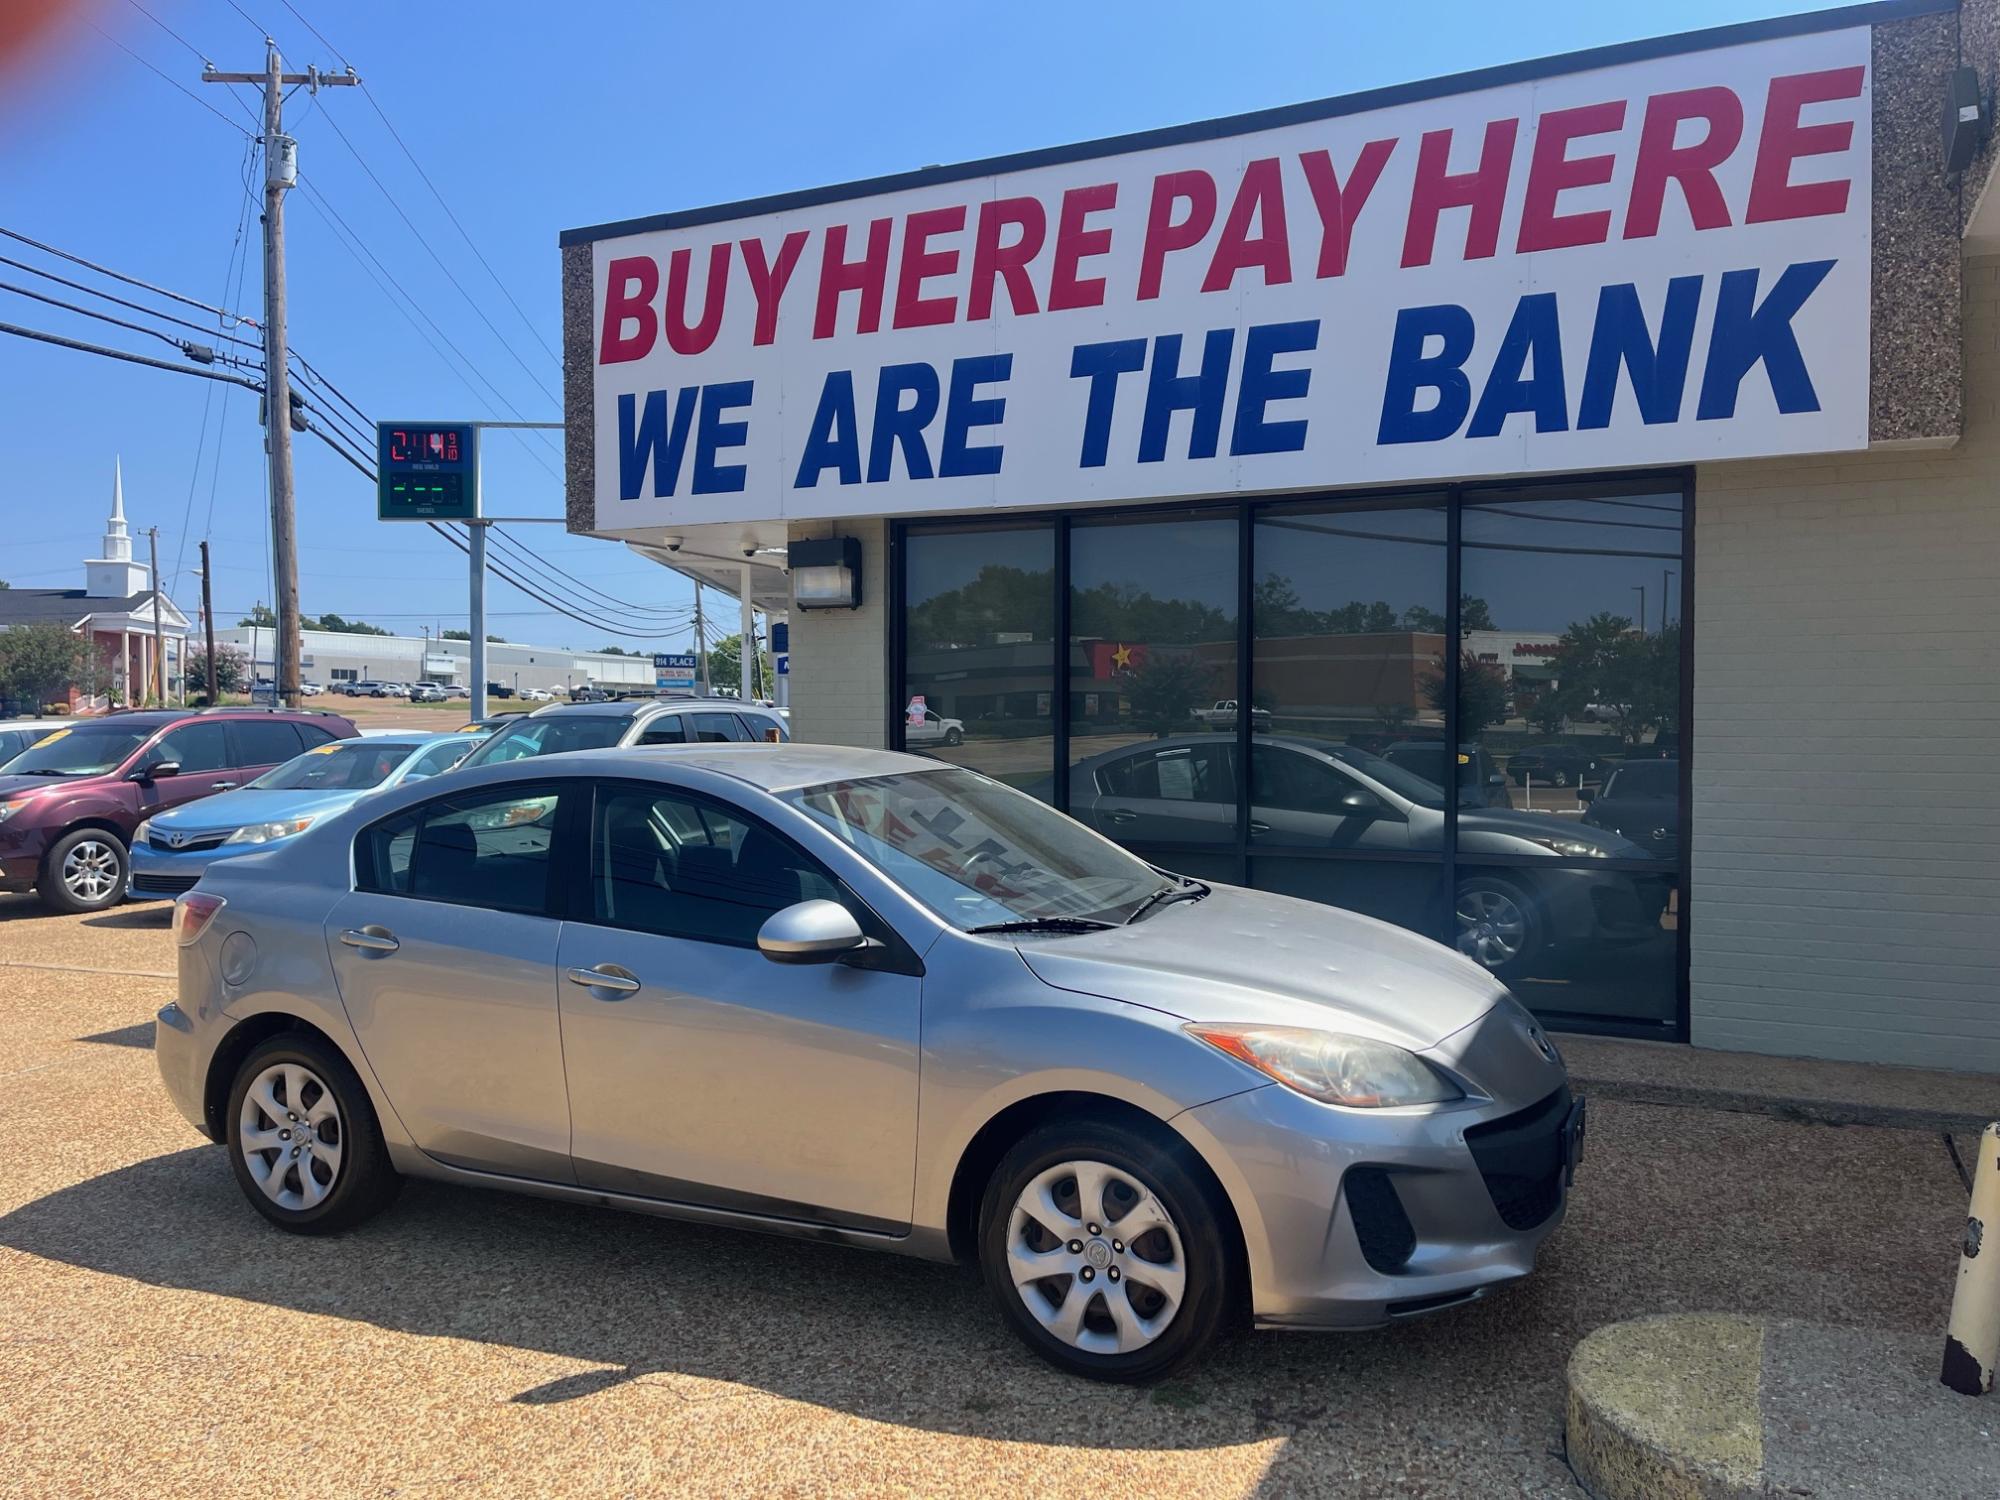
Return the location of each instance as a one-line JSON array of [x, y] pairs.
[[70, 801]]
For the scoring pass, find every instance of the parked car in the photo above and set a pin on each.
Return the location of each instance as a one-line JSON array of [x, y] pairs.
[[1310, 794], [1480, 783], [1641, 802], [880, 1001], [493, 721], [171, 851], [391, 690], [17, 735], [1664, 745], [70, 802], [588, 693], [453, 690], [1556, 765], [312, 689], [1222, 715], [538, 695], [1603, 713], [366, 688], [640, 721], [934, 730], [426, 692], [498, 690]]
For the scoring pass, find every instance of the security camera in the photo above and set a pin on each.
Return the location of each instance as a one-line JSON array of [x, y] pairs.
[[749, 552], [673, 544]]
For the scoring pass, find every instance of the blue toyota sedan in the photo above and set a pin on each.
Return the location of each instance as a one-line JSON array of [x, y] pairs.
[[171, 850]]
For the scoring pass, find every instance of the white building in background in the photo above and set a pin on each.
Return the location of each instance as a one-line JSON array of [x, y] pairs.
[[332, 657]]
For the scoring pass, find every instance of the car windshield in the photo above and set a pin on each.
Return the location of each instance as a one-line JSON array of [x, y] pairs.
[[343, 766], [85, 750], [526, 737], [976, 852], [1659, 778], [1404, 783]]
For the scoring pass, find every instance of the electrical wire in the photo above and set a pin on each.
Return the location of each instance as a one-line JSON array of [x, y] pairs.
[[15, 234], [137, 359], [186, 346], [151, 312], [152, 66], [200, 56]]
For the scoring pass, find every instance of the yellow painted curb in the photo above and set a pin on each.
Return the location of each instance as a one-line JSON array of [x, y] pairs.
[[1666, 1408]]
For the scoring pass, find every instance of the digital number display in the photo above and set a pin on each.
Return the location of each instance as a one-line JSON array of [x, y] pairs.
[[424, 445]]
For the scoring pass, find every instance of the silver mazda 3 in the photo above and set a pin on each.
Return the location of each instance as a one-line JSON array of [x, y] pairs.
[[875, 999]]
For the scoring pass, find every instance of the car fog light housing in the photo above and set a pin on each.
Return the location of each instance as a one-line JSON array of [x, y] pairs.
[[265, 833], [1350, 1071]]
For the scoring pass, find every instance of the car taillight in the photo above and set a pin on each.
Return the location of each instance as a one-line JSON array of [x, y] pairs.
[[192, 914]]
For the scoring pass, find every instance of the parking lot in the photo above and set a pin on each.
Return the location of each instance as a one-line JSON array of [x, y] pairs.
[[157, 1337]]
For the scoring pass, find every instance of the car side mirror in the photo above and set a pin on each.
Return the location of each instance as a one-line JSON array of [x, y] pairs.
[[1496, 779], [1359, 804], [156, 770], [1586, 795], [812, 932]]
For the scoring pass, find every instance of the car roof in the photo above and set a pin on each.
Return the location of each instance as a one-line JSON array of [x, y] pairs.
[[770, 768], [51, 723], [631, 708]]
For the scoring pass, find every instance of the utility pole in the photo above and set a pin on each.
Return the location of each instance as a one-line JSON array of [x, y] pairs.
[[281, 171], [159, 661], [208, 625], [700, 641]]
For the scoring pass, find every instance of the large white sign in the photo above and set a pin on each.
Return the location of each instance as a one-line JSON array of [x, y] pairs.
[[1657, 262]]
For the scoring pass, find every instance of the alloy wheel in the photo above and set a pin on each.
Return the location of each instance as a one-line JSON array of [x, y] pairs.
[[291, 1136], [90, 870], [1096, 1257], [1492, 927]]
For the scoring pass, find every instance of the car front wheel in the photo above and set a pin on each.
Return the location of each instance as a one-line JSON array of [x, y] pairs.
[[1497, 926], [1104, 1253], [303, 1140], [83, 871]]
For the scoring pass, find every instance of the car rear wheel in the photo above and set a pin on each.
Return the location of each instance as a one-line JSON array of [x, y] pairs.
[[84, 871], [303, 1139], [1104, 1253]]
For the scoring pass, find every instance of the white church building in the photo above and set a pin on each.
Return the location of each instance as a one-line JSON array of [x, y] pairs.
[[120, 611]]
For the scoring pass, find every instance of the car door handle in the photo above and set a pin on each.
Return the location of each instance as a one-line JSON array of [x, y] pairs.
[[1257, 828], [220, 786], [1122, 815], [605, 977], [370, 940]]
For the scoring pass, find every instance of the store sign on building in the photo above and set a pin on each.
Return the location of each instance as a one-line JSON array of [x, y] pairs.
[[1659, 261]]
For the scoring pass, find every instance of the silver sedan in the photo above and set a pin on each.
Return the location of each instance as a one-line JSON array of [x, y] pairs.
[[872, 999]]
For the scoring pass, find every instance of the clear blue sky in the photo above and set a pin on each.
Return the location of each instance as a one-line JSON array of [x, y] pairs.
[[531, 117]]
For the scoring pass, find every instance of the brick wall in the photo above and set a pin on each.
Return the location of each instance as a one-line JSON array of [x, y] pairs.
[[1846, 879], [839, 671]]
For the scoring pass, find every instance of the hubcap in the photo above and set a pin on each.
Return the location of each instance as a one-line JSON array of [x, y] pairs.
[[1096, 1257], [291, 1135], [1492, 928], [90, 870]]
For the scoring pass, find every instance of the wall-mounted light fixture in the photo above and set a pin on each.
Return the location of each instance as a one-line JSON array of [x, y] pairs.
[[826, 574]]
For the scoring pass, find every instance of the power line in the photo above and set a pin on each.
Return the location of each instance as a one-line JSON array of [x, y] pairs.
[[201, 353], [199, 55], [155, 67], [130, 358], [15, 234], [90, 291]]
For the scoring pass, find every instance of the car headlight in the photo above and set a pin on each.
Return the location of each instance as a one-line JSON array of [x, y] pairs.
[[1332, 1068], [264, 833], [139, 834], [8, 809], [1574, 848]]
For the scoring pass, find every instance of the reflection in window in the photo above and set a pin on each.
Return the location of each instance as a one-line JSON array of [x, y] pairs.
[[1152, 663], [979, 651], [1570, 667], [1573, 941]]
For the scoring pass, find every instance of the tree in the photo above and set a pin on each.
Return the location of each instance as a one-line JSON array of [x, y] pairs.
[[335, 623], [1643, 678], [1482, 693], [39, 663], [1584, 663], [466, 635], [617, 651], [260, 614], [725, 663], [1165, 692], [232, 670]]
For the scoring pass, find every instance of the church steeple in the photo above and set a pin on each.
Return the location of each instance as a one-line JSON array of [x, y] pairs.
[[115, 575]]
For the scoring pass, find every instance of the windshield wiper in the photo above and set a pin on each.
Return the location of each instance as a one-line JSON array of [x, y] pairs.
[[1046, 924], [39, 772], [1194, 890]]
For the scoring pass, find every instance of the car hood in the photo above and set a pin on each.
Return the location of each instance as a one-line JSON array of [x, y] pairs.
[[1250, 956], [1528, 825], [13, 786], [252, 804]]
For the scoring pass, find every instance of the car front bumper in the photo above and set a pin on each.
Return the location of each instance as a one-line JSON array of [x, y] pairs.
[[161, 874], [1358, 1218]]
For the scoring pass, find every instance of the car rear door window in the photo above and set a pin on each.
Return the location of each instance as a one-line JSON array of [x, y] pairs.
[[196, 748], [314, 734], [264, 743], [680, 867], [668, 729], [491, 848], [719, 728]]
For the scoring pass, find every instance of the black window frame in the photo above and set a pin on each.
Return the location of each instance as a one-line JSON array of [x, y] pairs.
[[362, 852], [578, 897], [239, 741], [1249, 508], [188, 726]]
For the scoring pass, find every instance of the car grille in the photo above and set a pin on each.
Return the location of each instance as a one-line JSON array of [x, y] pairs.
[[1520, 1156], [199, 841], [1388, 1239], [163, 885]]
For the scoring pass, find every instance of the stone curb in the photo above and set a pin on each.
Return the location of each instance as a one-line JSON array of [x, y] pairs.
[[1783, 1107], [1666, 1408]]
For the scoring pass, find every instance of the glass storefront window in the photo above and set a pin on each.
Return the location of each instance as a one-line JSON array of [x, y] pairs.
[[1152, 678], [1573, 940], [1570, 665], [979, 659]]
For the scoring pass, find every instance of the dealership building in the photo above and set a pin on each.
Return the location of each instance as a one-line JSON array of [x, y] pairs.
[[1631, 412], [334, 657]]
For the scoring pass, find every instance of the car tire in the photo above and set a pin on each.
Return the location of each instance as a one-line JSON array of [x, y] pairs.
[[296, 1073], [1497, 925], [1185, 1247], [954, 737], [1560, 778], [84, 871]]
